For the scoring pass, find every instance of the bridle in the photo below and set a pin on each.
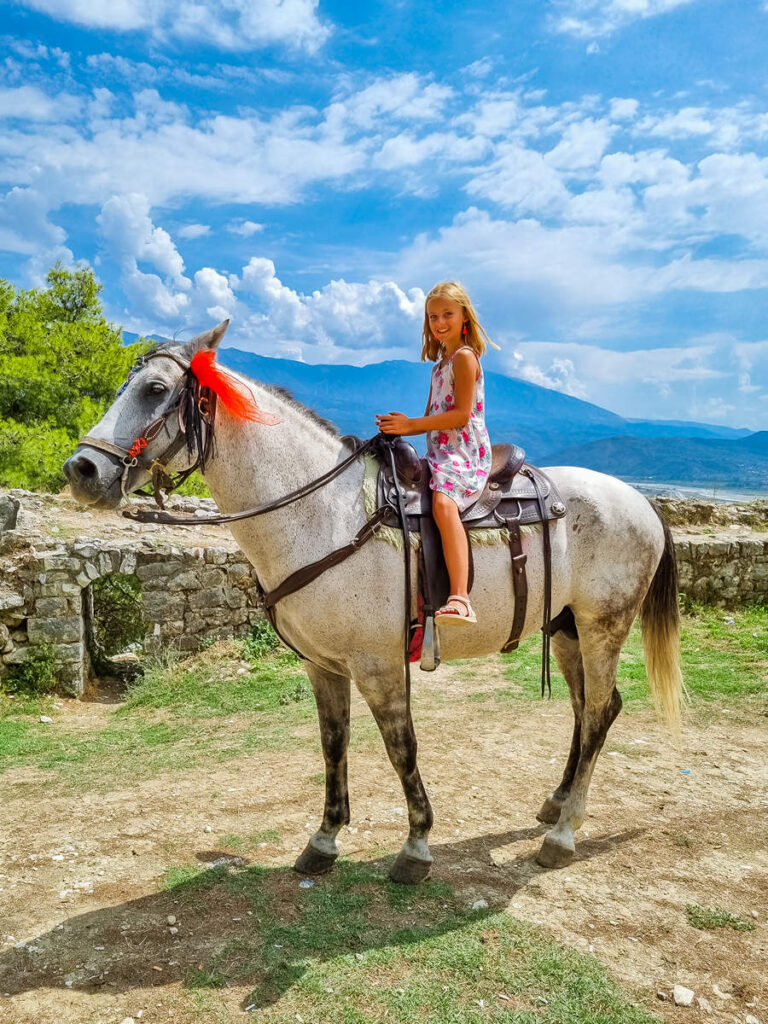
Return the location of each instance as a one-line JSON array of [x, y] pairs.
[[193, 406]]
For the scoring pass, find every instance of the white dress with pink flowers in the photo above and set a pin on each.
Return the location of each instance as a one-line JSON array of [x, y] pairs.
[[460, 458]]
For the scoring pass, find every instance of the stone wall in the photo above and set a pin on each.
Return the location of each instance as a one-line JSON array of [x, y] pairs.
[[196, 584], [722, 570], [188, 593]]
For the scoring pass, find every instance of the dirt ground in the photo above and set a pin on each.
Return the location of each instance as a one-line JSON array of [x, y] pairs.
[[667, 826]]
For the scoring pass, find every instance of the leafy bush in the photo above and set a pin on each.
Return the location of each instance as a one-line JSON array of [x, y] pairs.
[[36, 675], [60, 365], [261, 640], [117, 619]]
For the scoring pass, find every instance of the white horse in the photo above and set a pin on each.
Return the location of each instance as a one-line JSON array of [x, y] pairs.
[[612, 558]]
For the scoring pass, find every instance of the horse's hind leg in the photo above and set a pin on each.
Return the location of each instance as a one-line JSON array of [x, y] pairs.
[[393, 717], [332, 693], [600, 644], [568, 656]]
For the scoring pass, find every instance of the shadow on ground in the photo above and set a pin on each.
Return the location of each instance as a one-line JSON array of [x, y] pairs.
[[258, 926]]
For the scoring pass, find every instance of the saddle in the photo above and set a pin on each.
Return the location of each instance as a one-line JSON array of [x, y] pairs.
[[516, 494]]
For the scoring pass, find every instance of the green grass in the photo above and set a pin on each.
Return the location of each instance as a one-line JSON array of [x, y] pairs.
[[356, 948], [159, 727], [721, 662], [708, 917]]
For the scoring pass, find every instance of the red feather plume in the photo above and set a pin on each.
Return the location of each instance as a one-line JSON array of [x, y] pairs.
[[229, 392]]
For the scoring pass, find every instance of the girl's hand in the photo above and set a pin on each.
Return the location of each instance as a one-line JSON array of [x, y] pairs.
[[393, 423]]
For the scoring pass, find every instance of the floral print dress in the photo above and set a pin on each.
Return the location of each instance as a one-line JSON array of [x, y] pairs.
[[460, 458]]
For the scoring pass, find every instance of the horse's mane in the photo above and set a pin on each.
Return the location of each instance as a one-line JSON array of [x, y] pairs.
[[276, 389]]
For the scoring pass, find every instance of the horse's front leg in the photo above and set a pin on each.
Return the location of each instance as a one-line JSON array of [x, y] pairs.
[[332, 693], [388, 703]]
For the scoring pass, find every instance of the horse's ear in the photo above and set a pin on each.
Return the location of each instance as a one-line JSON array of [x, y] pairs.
[[206, 340]]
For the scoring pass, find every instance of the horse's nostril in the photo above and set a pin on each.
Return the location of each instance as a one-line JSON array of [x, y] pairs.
[[82, 467]]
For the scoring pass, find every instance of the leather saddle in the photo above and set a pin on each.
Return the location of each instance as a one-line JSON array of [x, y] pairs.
[[511, 491], [515, 494]]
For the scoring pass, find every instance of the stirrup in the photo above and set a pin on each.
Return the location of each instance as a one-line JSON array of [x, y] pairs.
[[430, 647]]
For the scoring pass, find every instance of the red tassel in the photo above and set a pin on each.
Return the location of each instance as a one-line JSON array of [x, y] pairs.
[[229, 392]]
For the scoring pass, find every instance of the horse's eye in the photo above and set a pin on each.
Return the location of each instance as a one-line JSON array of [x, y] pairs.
[[156, 388]]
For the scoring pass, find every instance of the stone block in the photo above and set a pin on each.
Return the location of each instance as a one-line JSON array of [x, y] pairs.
[[17, 656], [49, 606], [158, 606], [128, 563], [86, 549], [216, 556], [155, 570], [9, 600], [188, 643], [213, 598], [55, 631], [5, 635], [234, 597], [213, 578], [13, 618], [188, 580], [69, 653], [9, 510]]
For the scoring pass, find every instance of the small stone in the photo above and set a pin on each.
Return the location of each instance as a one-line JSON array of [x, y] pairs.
[[171, 919], [662, 996], [306, 883], [46, 719], [704, 1004], [173, 931], [207, 829], [720, 994], [754, 914], [127, 1020], [750, 1019], [480, 905], [682, 996]]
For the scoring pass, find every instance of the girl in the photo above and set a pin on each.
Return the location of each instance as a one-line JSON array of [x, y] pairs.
[[458, 448]]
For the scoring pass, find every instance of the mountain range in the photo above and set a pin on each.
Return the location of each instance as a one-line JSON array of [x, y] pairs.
[[554, 429]]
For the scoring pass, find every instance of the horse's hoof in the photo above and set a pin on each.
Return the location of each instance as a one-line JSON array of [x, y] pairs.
[[312, 862], [555, 855], [550, 812], [409, 870]]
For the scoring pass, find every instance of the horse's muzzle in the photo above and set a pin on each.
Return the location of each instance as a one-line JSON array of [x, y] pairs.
[[94, 478]]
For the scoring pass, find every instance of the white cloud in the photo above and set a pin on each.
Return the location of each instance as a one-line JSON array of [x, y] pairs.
[[342, 322], [623, 109], [194, 230], [132, 238], [228, 25], [591, 19], [246, 228], [704, 379], [29, 103], [581, 146]]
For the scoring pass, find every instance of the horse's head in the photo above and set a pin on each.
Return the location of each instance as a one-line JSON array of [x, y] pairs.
[[159, 423]]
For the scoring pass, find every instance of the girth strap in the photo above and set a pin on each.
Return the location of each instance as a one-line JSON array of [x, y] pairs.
[[519, 585]]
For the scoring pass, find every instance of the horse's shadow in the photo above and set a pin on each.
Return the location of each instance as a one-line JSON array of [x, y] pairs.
[[256, 926]]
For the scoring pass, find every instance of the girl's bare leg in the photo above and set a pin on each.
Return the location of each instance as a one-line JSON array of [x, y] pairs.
[[455, 546]]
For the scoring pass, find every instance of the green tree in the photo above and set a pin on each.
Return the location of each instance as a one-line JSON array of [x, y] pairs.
[[61, 362]]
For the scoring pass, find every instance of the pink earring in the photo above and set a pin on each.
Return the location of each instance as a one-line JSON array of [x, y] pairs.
[[464, 331]]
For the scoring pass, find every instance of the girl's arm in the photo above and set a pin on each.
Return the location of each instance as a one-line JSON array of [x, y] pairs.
[[465, 374]]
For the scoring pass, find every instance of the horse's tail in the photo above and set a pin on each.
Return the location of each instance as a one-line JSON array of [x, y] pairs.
[[660, 618]]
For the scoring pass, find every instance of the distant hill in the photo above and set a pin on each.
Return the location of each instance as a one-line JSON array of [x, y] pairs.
[[544, 422], [741, 463]]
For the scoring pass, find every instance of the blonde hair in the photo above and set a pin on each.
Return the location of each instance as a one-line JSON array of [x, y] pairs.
[[476, 336]]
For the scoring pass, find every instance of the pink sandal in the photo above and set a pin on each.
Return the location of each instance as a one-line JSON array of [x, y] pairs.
[[448, 616]]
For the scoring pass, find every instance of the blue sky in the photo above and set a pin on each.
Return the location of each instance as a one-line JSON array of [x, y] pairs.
[[594, 171]]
